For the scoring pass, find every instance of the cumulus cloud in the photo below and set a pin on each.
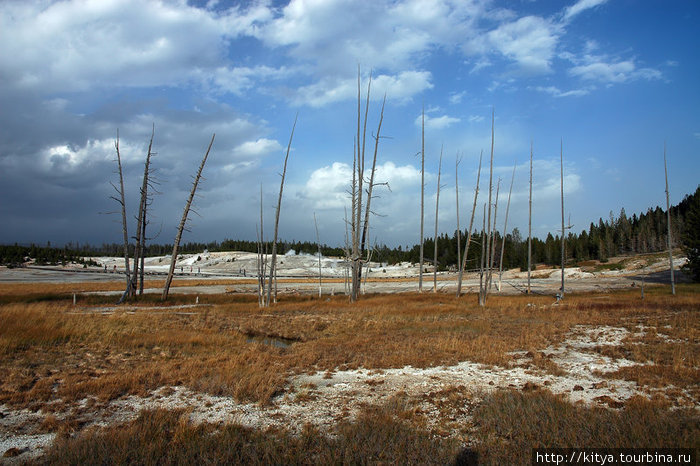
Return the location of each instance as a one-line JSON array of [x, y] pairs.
[[529, 40], [440, 122], [594, 68], [75, 46], [398, 87], [327, 187]]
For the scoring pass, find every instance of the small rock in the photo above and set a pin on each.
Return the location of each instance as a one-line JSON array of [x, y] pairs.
[[12, 452], [547, 383], [577, 388], [601, 384]]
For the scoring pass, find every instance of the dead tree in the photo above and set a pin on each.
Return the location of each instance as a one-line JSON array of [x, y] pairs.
[[459, 238], [561, 161], [122, 203], [469, 233], [147, 183], [668, 223], [370, 187], [437, 209], [529, 228], [505, 229], [563, 227], [488, 222], [482, 289], [360, 229], [273, 261], [494, 237], [183, 221], [422, 198], [141, 220], [357, 178]]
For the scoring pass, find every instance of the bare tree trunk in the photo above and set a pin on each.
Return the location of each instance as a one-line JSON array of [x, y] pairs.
[[437, 208], [482, 289], [360, 230], [488, 222], [361, 237], [494, 237], [142, 253], [529, 228], [459, 238], [318, 241], [141, 220], [358, 175], [561, 161], [668, 221], [505, 229], [183, 221], [273, 261], [422, 199], [258, 263], [364, 278], [347, 252], [469, 233], [365, 228], [122, 202]]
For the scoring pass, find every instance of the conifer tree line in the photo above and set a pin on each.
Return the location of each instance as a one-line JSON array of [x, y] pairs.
[[617, 235]]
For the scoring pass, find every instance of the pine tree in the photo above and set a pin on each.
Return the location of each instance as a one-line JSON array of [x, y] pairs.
[[691, 236]]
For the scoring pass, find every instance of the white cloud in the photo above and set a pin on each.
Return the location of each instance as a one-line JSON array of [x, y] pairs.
[[397, 87], [236, 80], [440, 122], [398, 177], [581, 6], [530, 41], [327, 187], [594, 68], [479, 65], [257, 148], [556, 92], [81, 45], [65, 158], [456, 97], [386, 34]]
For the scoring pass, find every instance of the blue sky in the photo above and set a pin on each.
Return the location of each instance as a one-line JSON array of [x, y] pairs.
[[611, 79]]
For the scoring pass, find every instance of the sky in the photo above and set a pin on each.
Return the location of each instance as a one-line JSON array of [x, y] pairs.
[[606, 82]]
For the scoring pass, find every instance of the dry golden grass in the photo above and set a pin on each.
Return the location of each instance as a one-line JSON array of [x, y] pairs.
[[511, 424], [167, 437], [52, 351]]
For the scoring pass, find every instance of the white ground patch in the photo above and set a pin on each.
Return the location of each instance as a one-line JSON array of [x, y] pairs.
[[322, 398]]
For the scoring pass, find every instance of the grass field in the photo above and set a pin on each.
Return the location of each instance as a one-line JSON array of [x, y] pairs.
[[62, 361]]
